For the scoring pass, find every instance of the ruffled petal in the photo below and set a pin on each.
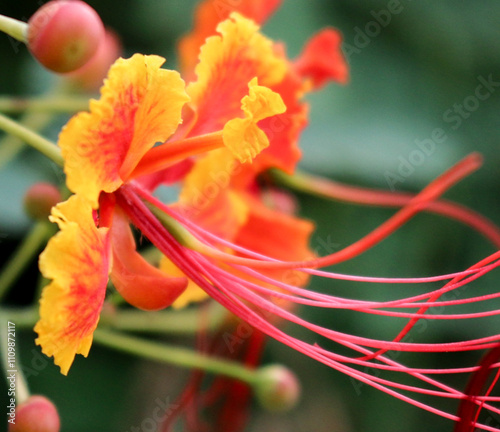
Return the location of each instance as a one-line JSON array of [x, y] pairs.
[[140, 105], [283, 131], [227, 64], [242, 136], [207, 15], [140, 284], [77, 260]]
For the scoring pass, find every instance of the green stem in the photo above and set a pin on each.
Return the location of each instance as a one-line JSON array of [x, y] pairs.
[[11, 146], [36, 141], [36, 121], [185, 322], [178, 356], [164, 322], [60, 104], [23, 255], [15, 28], [24, 318]]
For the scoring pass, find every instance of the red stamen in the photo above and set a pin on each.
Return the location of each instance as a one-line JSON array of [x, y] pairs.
[[238, 294], [467, 418], [358, 195], [436, 188]]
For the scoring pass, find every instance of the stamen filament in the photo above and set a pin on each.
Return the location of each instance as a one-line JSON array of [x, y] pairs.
[[421, 201], [252, 308], [334, 190], [433, 298]]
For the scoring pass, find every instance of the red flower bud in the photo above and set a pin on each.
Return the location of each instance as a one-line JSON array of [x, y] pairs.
[[91, 75], [64, 34], [39, 200], [37, 414]]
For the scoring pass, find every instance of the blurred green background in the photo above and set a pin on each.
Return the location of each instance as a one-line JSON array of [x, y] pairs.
[[409, 76]]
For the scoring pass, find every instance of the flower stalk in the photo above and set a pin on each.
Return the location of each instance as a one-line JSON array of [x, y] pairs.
[[181, 357], [23, 255], [14, 28], [48, 104], [36, 141]]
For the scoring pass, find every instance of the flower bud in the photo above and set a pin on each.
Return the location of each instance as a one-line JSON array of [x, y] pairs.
[[277, 388], [63, 35], [39, 200], [36, 414], [90, 76]]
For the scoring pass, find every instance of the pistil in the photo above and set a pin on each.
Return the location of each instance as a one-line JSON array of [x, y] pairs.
[[169, 153]]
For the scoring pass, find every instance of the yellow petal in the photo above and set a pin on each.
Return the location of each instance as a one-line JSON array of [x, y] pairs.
[[242, 136], [140, 105], [77, 261], [227, 63]]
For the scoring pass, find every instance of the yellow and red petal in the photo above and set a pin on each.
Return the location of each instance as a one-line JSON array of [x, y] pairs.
[[207, 15], [140, 284], [242, 136], [140, 105], [77, 260], [227, 64], [322, 59]]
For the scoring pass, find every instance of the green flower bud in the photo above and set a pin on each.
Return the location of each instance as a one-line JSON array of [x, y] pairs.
[[277, 388]]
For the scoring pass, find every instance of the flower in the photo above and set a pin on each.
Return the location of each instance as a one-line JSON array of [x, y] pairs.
[[111, 146], [218, 181], [221, 131]]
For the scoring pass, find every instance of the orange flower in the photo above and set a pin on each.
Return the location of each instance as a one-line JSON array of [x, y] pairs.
[[216, 194], [222, 237], [105, 149]]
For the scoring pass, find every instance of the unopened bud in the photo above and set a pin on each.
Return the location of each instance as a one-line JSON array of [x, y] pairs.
[[39, 200], [36, 414], [277, 388], [63, 35]]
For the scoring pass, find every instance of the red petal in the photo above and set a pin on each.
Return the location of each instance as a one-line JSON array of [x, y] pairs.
[[140, 284], [322, 59]]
